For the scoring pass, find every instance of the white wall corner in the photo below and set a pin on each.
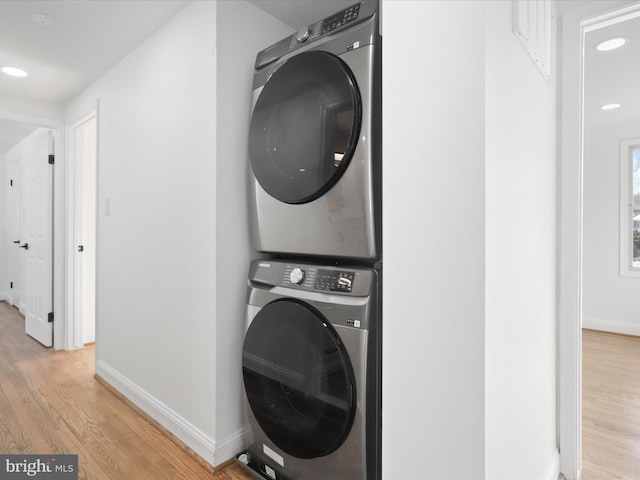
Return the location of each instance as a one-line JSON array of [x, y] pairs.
[[192, 436], [228, 447], [554, 470], [611, 326]]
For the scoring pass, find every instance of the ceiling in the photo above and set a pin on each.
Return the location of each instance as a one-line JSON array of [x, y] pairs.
[[11, 132], [612, 77], [89, 37]]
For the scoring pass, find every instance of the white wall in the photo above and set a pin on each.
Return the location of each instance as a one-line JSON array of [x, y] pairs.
[[610, 301], [520, 324], [235, 60], [434, 229], [156, 281], [173, 253], [162, 332], [4, 240], [469, 369]]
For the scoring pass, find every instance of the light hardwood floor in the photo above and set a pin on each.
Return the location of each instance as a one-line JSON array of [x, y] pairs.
[[610, 406], [50, 402]]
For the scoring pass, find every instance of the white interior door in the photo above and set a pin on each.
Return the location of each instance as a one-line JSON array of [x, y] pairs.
[[14, 209], [85, 149], [37, 236]]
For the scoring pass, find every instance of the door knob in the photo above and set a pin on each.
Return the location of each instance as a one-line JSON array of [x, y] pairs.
[[25, 246]]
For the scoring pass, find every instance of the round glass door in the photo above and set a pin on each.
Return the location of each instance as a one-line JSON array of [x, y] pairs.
[[305, 127], [298, 379]]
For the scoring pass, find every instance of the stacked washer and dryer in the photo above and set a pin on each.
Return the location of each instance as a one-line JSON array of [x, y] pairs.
[[311, 359]]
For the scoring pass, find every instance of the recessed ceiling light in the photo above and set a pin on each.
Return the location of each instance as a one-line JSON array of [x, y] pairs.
[[610, 106], [43, 19], [14, 72], [611, 44]]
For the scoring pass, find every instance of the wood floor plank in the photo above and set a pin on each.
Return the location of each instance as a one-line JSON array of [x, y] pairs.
[[610, 406], [50, 402]]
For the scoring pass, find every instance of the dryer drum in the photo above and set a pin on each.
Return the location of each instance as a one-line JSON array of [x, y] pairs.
[[298, 379], [305, 127]]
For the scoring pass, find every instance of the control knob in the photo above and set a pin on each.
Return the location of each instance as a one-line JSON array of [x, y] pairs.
[[297, 276], [303, 34]]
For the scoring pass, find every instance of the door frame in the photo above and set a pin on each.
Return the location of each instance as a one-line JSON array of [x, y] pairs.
[[575, 24], [59, 237], [74, 327], [14, 227]]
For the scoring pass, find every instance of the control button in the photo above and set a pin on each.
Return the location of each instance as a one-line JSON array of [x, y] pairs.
[[296, 276], [303, 34], [344, 282]]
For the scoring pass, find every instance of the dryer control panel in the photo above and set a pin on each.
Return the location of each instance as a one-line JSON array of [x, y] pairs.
[[339, 21], [341, 18], [330, 279]]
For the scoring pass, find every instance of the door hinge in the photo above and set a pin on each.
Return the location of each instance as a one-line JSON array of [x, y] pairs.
[[50, 317], [52, 159]]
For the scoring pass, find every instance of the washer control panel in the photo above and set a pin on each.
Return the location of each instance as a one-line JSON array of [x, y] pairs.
[[334, 280], [312, 278]]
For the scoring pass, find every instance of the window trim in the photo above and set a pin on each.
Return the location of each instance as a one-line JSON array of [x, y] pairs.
[[626, 207]]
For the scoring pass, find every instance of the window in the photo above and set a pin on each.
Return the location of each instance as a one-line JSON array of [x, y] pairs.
[[630, 207]]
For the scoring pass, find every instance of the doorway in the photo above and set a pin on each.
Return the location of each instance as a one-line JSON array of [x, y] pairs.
[[83, 172], [28, 262], [52, 120], [610, 282], [577, 23]]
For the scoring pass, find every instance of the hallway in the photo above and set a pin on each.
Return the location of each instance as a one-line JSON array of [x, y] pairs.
[[52, 403]]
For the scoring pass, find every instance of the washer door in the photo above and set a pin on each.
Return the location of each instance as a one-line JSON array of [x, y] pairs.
[[298, 379], [305, 127]]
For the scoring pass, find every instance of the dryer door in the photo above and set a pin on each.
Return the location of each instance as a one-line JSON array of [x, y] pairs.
[[298, 379], [304, 127]]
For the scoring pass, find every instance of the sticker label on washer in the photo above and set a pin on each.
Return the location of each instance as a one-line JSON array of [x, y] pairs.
[[353, 323], [273, 455], [270, 471], [353, 46]]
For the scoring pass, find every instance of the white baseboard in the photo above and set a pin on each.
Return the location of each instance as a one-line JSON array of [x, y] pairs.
[[229, 447], [214, 453], [612, 326]]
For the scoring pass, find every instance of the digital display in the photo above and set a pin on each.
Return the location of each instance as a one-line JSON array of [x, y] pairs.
[[342, 18], [334, 281]]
